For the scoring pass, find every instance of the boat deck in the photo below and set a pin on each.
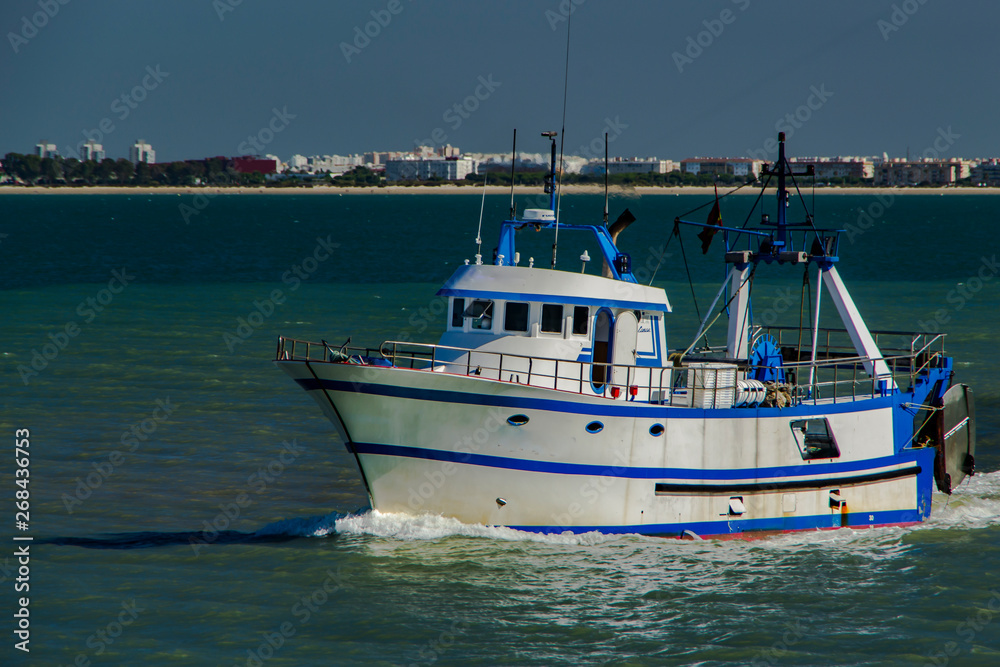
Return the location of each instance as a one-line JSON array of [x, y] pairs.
[[702, 379]]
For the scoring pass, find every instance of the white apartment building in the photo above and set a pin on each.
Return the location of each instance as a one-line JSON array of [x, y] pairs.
[[142, 152]]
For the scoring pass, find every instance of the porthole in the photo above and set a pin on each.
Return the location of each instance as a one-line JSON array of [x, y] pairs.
[[517, 420], [656, 430], [595, 427]]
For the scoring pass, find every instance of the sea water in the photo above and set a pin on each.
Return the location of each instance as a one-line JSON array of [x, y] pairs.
[[190, 504]]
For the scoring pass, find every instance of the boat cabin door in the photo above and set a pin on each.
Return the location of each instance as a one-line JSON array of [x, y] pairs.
[[625, 342], [602, 349]]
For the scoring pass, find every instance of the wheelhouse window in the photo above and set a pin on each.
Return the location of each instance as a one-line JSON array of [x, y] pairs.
[[457, 308], [552, 318], [815, 439], [481, 313], [515, 317], [581, 320]]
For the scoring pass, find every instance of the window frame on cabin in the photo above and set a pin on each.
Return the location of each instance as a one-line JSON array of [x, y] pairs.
[[476, 320], [526, 315], [577, 321], [562, 318]]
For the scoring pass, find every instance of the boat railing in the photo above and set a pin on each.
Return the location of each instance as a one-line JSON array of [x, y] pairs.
[[697, 381]]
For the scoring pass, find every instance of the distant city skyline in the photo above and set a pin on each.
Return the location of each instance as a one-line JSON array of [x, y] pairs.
[[675, 80]]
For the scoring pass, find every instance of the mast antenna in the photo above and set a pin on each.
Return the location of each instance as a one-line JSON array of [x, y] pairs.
[[479, 232], [605, 179], [513, 160], [562, 141]]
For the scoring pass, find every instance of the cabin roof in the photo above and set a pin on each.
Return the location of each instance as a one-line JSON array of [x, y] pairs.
[[520, 283]]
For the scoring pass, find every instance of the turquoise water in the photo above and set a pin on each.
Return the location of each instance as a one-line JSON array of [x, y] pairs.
[[191, 505]]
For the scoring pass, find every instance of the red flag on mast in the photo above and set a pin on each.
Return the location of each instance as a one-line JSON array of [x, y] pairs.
[[714, 218]]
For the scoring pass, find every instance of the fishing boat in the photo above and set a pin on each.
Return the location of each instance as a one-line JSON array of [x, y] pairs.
[[552, 403]]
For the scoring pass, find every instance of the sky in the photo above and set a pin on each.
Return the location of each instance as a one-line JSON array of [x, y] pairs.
[[199, 78]]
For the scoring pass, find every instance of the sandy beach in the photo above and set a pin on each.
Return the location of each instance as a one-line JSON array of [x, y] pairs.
[[617, 191]]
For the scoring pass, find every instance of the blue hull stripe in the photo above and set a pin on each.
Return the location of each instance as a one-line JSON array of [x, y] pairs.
[[628, 472], [737, 527], [789, 485], [609, 409]]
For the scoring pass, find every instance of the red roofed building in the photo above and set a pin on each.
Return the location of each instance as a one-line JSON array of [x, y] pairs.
[[249, 164]]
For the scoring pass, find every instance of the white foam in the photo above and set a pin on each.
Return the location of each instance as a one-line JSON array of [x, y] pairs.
[[974, 505], [435, 527]]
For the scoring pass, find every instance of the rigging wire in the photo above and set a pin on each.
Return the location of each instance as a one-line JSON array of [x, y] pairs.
[[680, 240], [724, 308], [562, 141]]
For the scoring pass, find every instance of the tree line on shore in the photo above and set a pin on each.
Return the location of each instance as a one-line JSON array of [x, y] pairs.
[[58, 171], [219, 172]]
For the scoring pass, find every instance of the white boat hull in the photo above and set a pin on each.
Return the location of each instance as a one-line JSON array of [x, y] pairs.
[[441, 443]]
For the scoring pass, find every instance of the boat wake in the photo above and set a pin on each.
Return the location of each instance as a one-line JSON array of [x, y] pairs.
[[416, 527], [974, 505]]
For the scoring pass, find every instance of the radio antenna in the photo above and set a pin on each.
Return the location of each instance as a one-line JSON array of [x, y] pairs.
[[479, 234], [513, 159], [562, 142], [605, 179]]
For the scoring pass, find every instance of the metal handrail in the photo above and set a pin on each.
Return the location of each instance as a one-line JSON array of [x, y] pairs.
[[426, 357]]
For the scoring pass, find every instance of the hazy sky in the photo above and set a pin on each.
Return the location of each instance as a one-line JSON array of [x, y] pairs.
[[671, 79]]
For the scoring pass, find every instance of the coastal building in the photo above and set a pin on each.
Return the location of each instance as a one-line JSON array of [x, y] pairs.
[[248, 164], [298, 162], [448, 169], [279, 165], [92, 151], [142, 152], [736, 166], [636, 165], [986, 173], [838, 167], [333, 164], [898, 172], [45, 149]]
